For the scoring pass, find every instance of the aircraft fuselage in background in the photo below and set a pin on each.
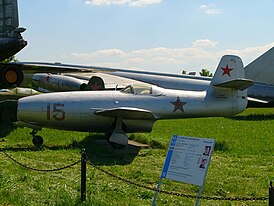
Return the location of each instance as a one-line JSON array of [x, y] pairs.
[[257, 92]]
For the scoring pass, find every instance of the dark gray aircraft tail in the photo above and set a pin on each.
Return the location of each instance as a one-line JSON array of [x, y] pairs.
[[261, 70], [11, 41]]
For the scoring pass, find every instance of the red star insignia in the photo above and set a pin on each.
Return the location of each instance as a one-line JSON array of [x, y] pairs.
[[226, 70], [178, 105], [95, 87]]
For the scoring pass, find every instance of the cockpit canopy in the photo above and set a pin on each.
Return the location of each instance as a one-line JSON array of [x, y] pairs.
[[142, 89]]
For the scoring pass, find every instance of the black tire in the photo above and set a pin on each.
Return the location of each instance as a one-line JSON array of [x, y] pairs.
[[37, 140]]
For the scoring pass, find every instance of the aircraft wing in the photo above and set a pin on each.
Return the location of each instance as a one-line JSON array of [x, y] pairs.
[[127, 113], [59, 67], [113, 77]]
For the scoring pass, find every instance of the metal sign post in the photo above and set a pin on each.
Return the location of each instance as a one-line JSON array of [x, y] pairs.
[[83, 175]]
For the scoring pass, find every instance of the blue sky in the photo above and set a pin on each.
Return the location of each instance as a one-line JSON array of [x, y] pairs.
[[155, 35]]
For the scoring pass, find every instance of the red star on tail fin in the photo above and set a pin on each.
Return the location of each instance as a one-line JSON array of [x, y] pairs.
[[227, 70]]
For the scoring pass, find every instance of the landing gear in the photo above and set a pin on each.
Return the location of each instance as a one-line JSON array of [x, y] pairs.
[[113, 143], [117, 137], [36, 139]]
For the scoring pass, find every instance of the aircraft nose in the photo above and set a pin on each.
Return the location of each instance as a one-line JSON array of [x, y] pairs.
[[29, 109]]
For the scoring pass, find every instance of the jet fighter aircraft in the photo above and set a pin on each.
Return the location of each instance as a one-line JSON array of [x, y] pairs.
[[135, 108]]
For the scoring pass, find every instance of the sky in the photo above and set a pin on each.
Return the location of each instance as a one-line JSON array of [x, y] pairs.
[[154, 35]]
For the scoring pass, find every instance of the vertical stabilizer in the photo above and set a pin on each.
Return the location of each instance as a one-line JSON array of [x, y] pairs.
[[229, 68], [230, 74], [262, 69], [8, 15]]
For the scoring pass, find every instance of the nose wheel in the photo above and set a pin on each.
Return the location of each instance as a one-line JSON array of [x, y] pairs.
[[36, 139]]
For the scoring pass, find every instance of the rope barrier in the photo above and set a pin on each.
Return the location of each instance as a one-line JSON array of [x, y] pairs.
[[176, 193], [38, 170], [135, 183]]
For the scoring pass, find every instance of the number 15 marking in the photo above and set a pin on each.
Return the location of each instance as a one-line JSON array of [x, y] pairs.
[[57, 113]]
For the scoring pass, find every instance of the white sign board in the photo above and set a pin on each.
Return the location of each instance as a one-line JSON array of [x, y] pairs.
[[188, 159]]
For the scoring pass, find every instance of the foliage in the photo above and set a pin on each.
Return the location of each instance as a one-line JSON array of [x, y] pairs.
[[10, 59], [205, 73]]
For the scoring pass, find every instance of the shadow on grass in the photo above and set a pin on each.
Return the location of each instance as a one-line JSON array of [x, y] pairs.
[[221, 146], [253, 117], [6, 129], [98, 150]]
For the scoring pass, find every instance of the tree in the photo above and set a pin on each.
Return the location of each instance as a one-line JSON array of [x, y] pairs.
[[184, 72], [205, 73], [10, 59]]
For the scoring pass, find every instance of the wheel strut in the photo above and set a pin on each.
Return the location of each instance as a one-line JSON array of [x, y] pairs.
[[36, 139]]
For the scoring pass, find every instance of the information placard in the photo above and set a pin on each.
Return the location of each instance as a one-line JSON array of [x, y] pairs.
[[188, 159]]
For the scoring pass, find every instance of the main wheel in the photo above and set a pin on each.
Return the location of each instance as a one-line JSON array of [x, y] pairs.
[[37, 141]]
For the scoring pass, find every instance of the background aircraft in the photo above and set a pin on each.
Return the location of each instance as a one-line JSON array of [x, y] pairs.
[[46, 82], [261, 71], [11, 41], [8, 101], [135, 108]]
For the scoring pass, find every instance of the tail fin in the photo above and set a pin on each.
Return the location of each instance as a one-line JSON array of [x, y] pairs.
[[230, 74], [228, 85], [11, 40], [262, 69]]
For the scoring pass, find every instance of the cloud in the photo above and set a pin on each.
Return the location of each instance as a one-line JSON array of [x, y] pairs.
[[131, 3], [210, 9], [206, 43], [142, 3], [174, 60]]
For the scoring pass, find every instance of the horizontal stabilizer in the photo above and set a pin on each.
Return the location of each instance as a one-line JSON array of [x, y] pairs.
[[239, 84], [126, 113]]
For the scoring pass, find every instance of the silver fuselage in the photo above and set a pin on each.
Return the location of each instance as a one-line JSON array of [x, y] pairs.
[[77, 110]]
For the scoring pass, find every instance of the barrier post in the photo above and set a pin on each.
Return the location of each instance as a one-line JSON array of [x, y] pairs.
[[83, 175], [271, 194]]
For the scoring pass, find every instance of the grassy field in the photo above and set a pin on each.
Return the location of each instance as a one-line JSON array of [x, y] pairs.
[[242, 164]]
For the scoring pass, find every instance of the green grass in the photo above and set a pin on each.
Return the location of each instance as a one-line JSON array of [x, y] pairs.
[[242, 164]]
